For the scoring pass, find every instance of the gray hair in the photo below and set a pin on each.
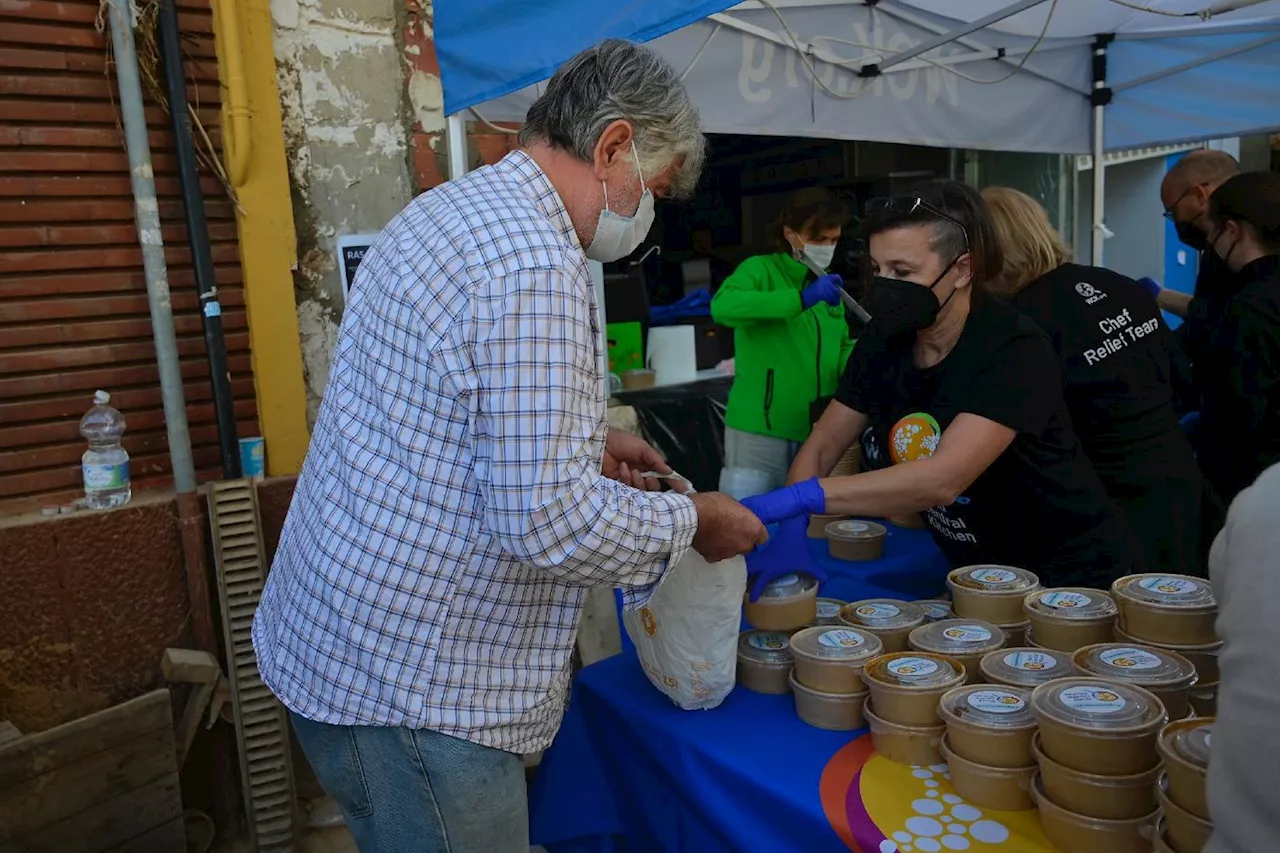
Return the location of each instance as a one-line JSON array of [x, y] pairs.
[[619, 80]]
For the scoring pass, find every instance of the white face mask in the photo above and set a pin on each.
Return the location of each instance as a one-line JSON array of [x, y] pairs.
[[616, 235], [820, 255]]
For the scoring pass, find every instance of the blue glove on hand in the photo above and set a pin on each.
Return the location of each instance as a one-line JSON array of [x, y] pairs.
[[1152, 286], [786, 552], [826, 289], [806, 498]]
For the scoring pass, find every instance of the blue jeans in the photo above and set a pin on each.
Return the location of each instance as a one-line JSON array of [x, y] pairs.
[[418, 791]]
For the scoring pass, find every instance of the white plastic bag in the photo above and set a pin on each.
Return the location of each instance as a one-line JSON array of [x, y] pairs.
[[687, 633]]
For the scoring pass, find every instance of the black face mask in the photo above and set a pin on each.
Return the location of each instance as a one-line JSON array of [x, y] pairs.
[[1191, 235], [904, 306]]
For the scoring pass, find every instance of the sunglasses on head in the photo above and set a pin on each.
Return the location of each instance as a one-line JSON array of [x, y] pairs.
[[905, 207]]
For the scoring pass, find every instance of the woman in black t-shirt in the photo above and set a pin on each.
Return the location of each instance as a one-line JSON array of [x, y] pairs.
[[958, 400], [1117, 359]]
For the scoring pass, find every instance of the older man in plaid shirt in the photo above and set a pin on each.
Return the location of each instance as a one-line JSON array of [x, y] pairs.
[[462, 489]]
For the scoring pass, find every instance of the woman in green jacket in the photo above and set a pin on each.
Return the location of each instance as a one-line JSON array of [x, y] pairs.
[[791, 339]]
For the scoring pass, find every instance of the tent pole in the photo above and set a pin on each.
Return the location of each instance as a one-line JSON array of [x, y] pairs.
[[951, 35], [457, 133], [1099, 98]]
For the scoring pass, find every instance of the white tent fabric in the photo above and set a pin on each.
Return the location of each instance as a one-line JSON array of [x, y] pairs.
[[1021, 83]]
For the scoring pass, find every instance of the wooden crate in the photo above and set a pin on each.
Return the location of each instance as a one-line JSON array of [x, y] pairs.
[[105, 782]]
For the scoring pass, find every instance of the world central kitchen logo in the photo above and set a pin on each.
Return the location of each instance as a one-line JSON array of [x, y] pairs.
[[1090, 293]]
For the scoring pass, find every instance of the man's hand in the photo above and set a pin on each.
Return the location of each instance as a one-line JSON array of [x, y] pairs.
[[627, 456], [725, 527]]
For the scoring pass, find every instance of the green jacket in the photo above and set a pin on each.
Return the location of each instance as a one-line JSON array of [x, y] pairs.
[[784, 358]]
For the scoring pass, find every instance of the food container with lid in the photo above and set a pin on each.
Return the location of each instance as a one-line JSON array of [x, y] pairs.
[[1024, 666], [908, 521], [1093, 795], [828, 611], [906, 686], [1170, 676], [1184, 832], [1177, 609], [1183, 746], [818, 524], [1076, 833], [989, 724], [829, 658], [856, 540], [1006, 789], [889, 619], [788, 603], [1204, 657], [1070, 618], [837, 712], [935, 609], [764, 661], [1097, 726], [991, 593], [966, 640], [915, 745]]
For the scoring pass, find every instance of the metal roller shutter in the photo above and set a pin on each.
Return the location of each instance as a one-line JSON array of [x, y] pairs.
[[73, 304]]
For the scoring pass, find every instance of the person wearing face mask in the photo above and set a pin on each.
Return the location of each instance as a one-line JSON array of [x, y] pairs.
[[1117, 358], [1241, 414], [462, 487], [958, 400], [791, 339]]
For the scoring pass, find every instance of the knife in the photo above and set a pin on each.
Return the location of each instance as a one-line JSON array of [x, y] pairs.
[[850, 303]]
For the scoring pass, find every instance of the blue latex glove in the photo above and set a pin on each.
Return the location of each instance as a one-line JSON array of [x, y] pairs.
[[826, 289], [1152, 286], [798, 499], [786, 552]]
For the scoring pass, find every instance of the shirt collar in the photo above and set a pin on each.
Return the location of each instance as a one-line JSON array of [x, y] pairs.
[[1261, 269], [522, 168]]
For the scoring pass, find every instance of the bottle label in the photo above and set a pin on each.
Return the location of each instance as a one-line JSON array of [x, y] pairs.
[[1130, 659], [101, 478], [1169, 586], [877, 611], [996, 701], [841, 638], [1064, 600], [912, 666], [1031, 661], [967, 634]]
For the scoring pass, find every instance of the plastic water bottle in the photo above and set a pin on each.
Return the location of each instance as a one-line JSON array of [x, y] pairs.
[[105, 463]]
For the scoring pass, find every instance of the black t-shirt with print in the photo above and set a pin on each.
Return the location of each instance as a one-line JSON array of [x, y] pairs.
[[1040, 505], [1117, 354]]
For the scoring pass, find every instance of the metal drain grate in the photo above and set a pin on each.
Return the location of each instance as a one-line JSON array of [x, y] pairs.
[[262, 730]]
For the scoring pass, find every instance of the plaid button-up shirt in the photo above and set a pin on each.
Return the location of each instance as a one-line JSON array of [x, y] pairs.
[[451, 511]]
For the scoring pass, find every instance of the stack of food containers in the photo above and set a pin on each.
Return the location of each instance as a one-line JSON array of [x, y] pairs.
[[1175, 613], [902, 709], [786, 604], [856, 541], [1184, 750], [827, 678], [993, 594], [1069, 618], [988, 744], [965, 640], [764, 661], [1168, 675], [1096, 750], [889, 619]]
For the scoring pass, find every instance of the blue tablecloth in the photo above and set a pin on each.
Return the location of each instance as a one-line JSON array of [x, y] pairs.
[[630, 771]]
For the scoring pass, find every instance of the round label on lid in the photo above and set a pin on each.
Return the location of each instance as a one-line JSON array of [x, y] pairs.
[[772, 641], [912, 666], [877, 611], [996, 701], [1064, 600], [967, 634], [987, 575], [1169, 586], [1129, 659], [854, 527], [936, 609], [828, 610], [1030, 661], [1092, 700], [784, 581], [842, 638]]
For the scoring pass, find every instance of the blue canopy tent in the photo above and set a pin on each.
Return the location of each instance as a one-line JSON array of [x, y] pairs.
[[1060, 76]]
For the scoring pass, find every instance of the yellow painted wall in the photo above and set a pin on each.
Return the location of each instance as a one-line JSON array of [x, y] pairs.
[[253, 141]]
